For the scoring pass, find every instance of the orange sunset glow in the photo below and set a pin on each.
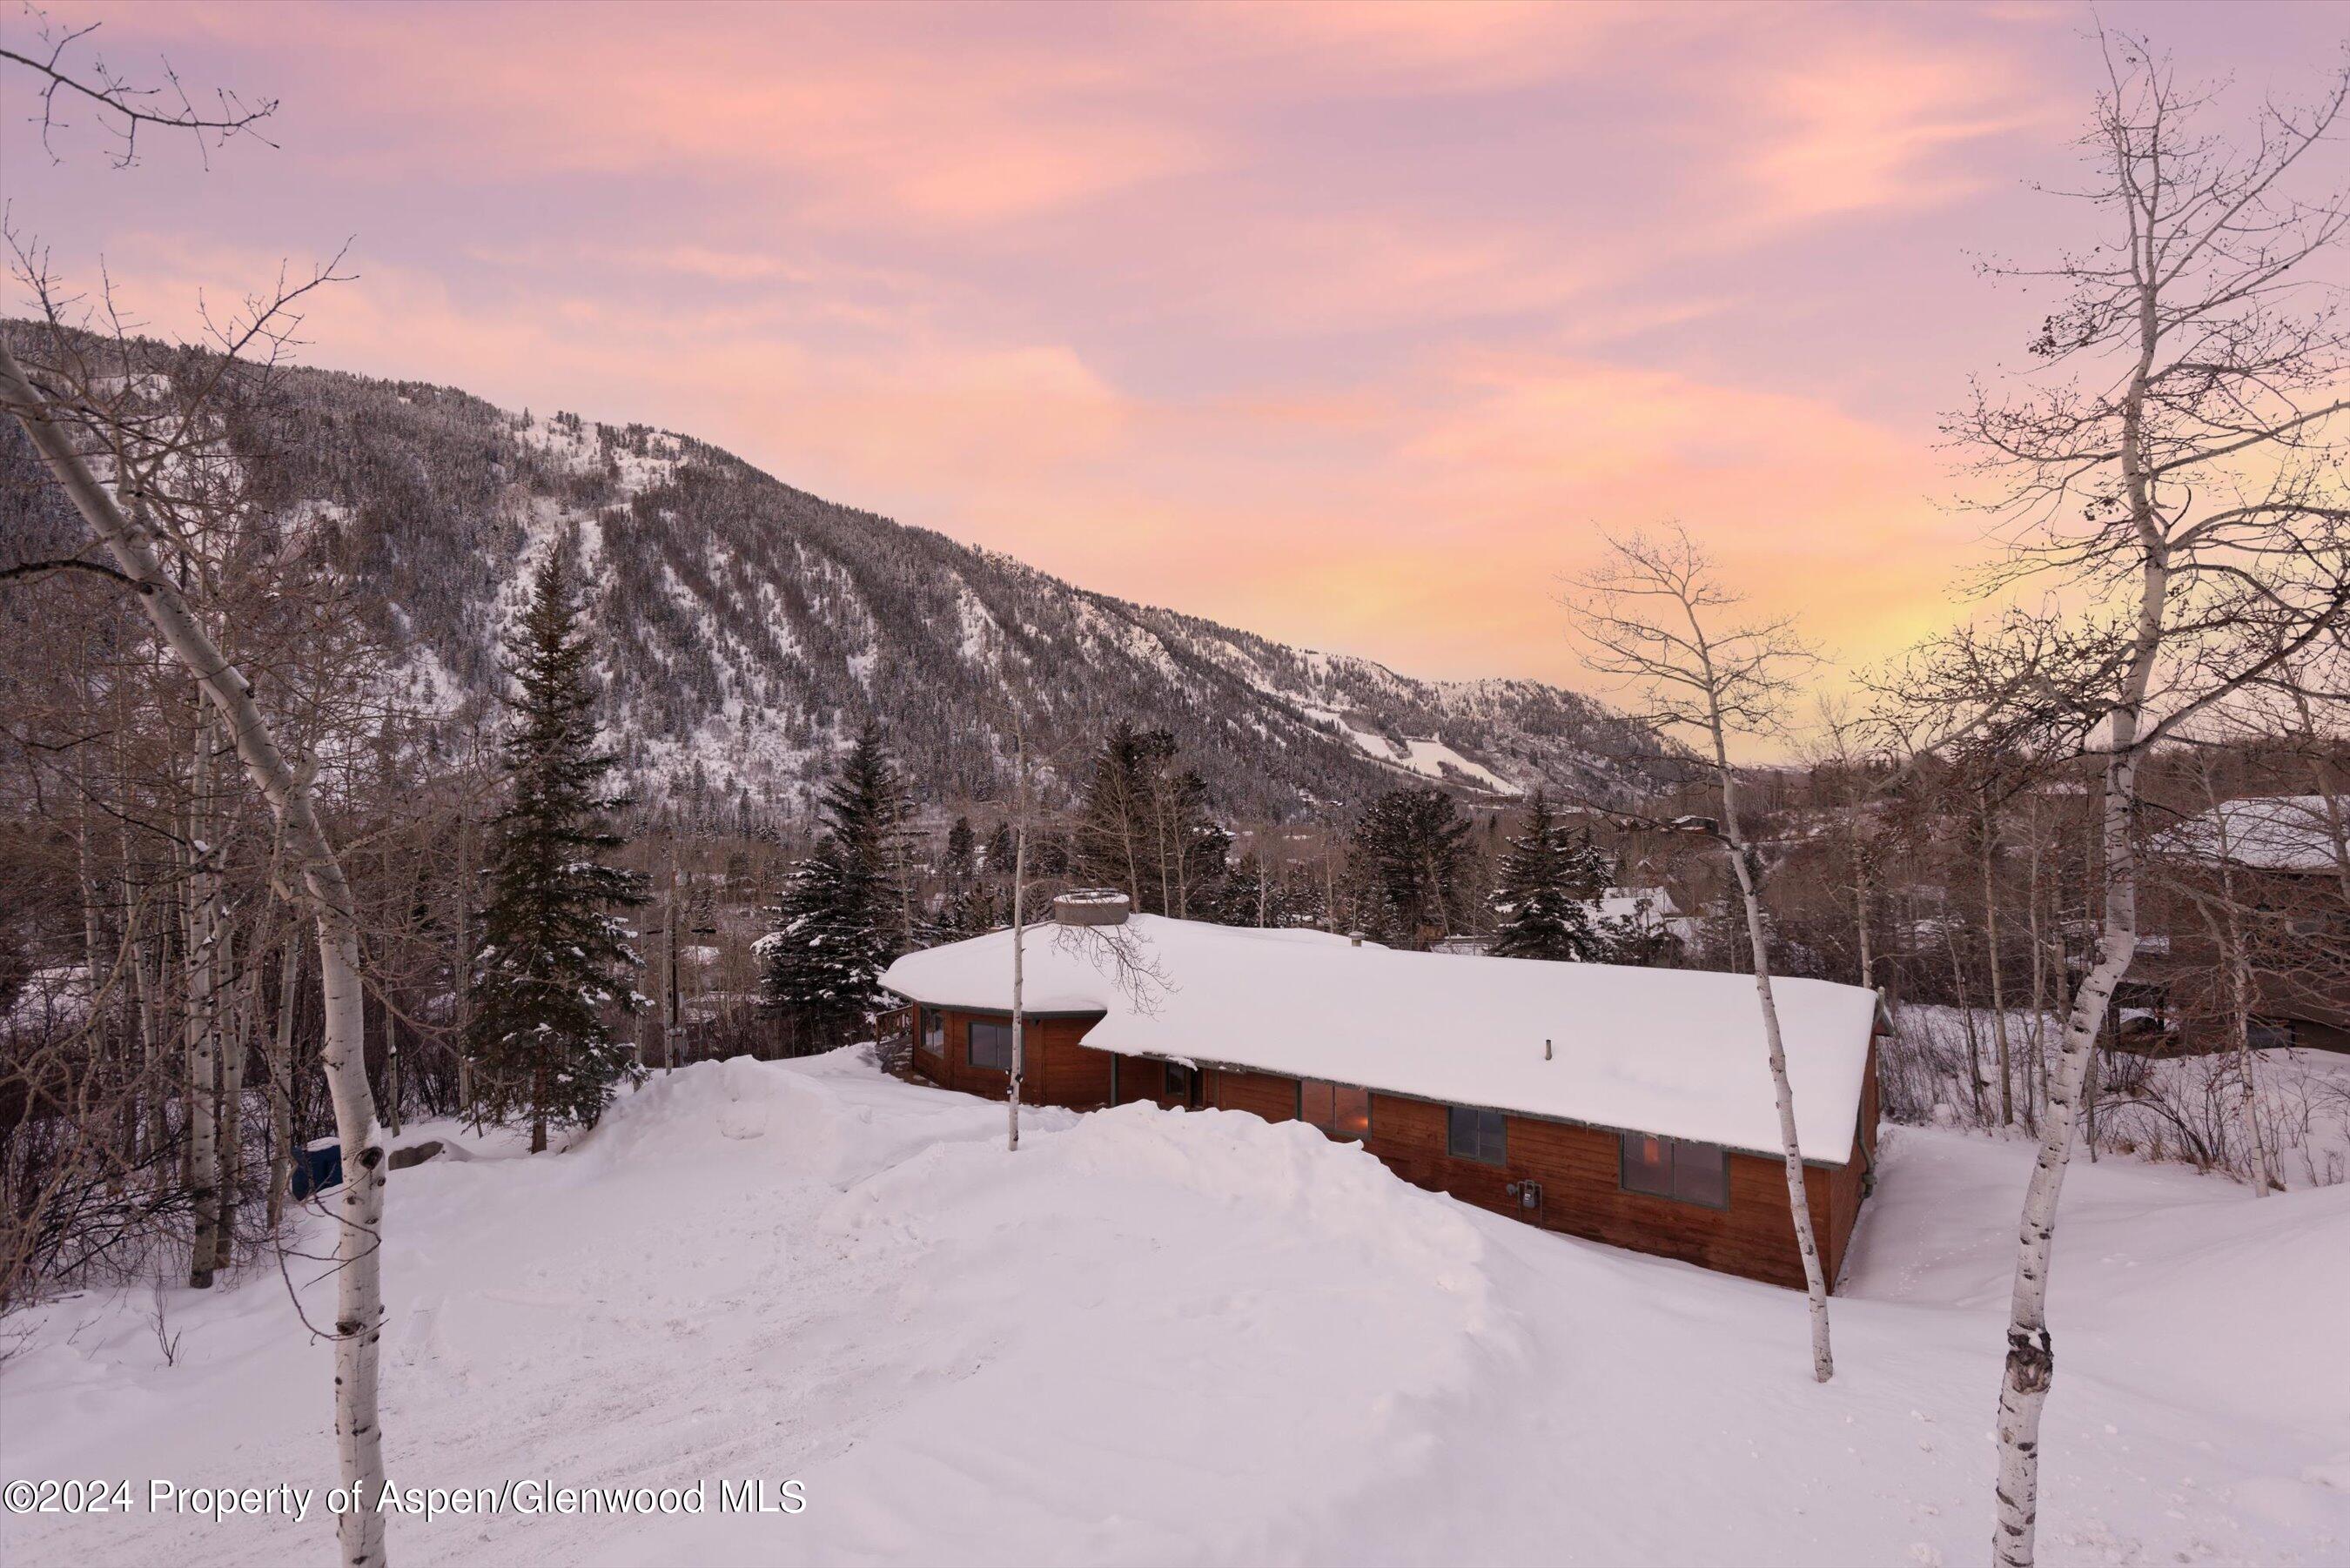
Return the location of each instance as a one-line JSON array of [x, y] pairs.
[[1351, 325]]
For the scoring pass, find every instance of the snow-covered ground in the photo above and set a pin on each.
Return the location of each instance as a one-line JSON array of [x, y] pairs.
[[1151, 1337], [2186, 1108]]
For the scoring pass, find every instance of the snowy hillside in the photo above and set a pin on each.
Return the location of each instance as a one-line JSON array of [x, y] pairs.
[[748, 626], [1152, 1337]]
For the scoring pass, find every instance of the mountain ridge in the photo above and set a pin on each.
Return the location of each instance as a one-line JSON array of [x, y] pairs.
[[748, 626]]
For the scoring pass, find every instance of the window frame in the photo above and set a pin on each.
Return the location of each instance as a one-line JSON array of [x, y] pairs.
[[1498, 1127], [970, 1044], [930, 1032], [1330, 1128], [1189, 1094], [1675, 1191]]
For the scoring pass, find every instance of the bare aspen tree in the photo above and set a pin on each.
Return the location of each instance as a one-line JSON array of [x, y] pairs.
[[57, 431], [2172, 468], [67, 425], [1652, 616], [281, 1078]]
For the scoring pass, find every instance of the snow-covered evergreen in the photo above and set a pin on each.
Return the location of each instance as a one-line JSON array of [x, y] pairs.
[[556, 963], [1548, 880], [849, 909]]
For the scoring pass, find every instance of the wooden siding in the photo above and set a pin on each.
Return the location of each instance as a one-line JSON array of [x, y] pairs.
[[1578, 1168], [1060, 1072], [1267, 1095], [1579, 1172], [1142, 1078]]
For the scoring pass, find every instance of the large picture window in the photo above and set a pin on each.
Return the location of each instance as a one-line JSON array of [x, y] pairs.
[[991, 1045], [1473, 1134], [1675, 1168], [1336, 1109]]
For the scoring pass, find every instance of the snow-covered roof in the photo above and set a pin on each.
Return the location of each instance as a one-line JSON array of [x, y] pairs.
[[2271, 833], [1675, 1052], [1641, 905]]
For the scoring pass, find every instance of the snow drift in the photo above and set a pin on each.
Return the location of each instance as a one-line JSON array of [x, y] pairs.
[[1153, 1337]]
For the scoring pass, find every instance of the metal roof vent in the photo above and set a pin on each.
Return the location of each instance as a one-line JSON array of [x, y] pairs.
[[1091, 907]]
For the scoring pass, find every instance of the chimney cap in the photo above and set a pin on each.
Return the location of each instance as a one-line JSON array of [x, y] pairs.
[[1091, 907]]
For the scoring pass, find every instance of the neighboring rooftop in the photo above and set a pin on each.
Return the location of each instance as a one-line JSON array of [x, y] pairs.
[[2271, 833], [1675, 1052]]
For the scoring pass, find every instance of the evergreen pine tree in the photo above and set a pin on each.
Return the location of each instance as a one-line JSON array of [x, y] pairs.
[[1408, 864], [872, 816], [1000, 851], [826, 952], [849, 909], [1546, 878], [554, 962]]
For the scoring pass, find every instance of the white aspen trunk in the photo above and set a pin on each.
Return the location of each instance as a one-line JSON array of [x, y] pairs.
[[2031, 1354], [390, 1061], [1990, 961], [149, 999], [2258, 1168], [200, 1028], [2031, 1367], [1860, 902], [2035, 1083], [151, 1039], [358, 1318], [1966, 1015], [1799, 1202], [1019, 948], [281, 1080], [236, 1040]]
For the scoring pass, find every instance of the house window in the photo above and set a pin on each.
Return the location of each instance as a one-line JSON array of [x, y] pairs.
[[991, 1045], [1338, 1109], [1674, 1168], [934, 1033], [1183, 1083], [1473, 1134]]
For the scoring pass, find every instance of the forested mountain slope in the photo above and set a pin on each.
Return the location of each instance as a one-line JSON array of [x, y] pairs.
[[749, 626]]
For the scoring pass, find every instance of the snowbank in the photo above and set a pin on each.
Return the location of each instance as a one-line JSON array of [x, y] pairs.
[[1151, 1337]]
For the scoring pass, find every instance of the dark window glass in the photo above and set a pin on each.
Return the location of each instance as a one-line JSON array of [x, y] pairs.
[[1180, 1081], [1473, 1134], [1701, 1174], [1648, 1165], [1673, 1167], [1340, 1111], [991, 1045]]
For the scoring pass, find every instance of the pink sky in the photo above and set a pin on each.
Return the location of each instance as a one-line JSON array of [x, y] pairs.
[[1350, 326]]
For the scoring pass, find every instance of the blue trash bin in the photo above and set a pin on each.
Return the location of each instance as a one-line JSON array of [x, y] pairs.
[[318, 1168]]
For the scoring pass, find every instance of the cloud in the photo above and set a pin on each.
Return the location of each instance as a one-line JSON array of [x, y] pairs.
[[1351, 324]]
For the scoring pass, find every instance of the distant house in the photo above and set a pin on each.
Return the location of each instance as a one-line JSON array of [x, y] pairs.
[[1645, 908], [2283, 858], [1629, 1106]]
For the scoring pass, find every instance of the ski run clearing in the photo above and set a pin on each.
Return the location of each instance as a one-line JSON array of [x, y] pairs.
[[1157, 1338]]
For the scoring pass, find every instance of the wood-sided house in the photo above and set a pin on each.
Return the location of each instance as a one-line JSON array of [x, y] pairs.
[[1629, 1106], [2283, 862]]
